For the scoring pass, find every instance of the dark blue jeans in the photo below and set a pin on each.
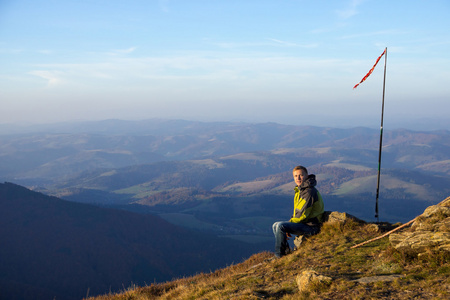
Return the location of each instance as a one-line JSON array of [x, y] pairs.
[[280, 229]]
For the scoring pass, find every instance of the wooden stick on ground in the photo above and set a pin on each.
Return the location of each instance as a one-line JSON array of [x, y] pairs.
[[386, 234]]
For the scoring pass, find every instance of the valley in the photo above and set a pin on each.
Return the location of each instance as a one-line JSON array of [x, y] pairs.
[[209, 173], [126, 198]]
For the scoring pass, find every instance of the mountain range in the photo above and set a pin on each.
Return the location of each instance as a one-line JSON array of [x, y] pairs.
[[196, 169], [110, 184], [42, 158]]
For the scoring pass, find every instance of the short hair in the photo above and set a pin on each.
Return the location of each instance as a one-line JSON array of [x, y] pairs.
[[300, 168]]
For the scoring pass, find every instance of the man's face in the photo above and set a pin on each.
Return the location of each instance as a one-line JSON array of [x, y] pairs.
[[299, 176]]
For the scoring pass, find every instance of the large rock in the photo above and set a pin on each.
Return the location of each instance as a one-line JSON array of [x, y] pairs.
[[339, 217], [329, 217], [429, 231], [298, 240], [307, 277]]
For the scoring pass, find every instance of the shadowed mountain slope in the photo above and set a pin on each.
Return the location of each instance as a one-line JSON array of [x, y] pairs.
[[55, 248]]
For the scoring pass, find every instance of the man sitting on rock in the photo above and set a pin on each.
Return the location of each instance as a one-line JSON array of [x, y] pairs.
[[308, 211]]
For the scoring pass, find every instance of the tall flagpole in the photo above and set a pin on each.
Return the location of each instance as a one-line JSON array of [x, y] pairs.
[[381, 137]]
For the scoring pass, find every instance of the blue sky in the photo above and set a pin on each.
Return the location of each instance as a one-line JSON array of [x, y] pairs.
[[285, 61]]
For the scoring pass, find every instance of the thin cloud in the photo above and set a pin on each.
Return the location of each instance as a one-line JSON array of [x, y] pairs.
[[368, 34], [269, 42], [124, 51], [349, 11], [199, 68], [164, 5], [231, 45], [53, 77], [283, 43], [323, 30], [46, 52], [290, 44], [11, 51]]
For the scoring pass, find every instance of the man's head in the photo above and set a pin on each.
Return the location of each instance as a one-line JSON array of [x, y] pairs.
[[300, 174]]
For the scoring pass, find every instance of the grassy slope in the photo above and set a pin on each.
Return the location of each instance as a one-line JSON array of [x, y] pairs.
[[329, 254]]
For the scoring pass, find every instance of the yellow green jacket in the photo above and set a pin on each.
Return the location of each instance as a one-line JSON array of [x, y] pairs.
[[308, 203]]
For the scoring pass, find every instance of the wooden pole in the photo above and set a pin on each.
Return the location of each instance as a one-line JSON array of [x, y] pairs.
[[386, 234]]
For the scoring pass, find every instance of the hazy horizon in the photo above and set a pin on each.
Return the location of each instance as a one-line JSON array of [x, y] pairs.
[[288, 62], [30, 127]]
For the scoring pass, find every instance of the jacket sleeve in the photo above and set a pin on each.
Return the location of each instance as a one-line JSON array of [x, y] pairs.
[[303, 210]]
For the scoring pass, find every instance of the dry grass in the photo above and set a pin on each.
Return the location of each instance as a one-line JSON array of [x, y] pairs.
[[328, 253]]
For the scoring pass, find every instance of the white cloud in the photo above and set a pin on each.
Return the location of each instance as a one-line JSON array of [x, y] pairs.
[[53, 77], [45, 52], [284, 43], [291, 44], [11, 51], [350, 11], [373, 33], [270, 42], [123, 51]]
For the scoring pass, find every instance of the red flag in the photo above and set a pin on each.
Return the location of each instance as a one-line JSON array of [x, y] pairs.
[[371, 70]]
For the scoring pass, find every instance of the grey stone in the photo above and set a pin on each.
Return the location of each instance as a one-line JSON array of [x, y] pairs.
[[372, 279]]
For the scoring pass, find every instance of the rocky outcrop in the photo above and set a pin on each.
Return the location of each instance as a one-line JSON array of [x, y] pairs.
[[429, 231], [339, 217], [309, 276], [329, 217]]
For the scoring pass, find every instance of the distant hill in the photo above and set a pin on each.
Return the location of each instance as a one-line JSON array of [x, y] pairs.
[[48, 154], [259, 183], [55, 249], [197, 175]]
